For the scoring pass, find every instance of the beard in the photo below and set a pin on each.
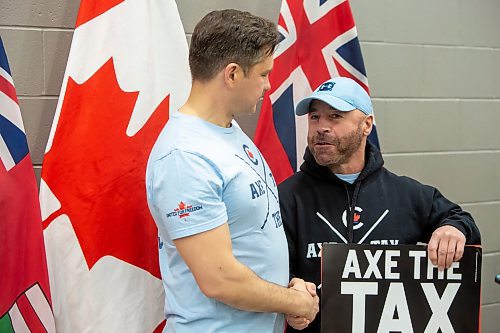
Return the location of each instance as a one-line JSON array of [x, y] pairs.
[[334, 151]]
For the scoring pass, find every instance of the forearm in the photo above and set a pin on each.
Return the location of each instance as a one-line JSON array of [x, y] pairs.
[[222, 277], [241, 288]]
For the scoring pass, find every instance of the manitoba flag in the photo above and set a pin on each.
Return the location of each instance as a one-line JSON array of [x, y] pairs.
[[127, 68], [318, 41], [24, 284]]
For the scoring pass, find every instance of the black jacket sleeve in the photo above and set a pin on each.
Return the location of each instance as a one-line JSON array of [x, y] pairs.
[[444, 212], [288, 216]]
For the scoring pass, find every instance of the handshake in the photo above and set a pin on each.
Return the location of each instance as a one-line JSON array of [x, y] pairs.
[[309, 306]]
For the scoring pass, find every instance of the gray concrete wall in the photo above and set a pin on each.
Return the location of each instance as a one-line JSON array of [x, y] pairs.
[[434, 72]]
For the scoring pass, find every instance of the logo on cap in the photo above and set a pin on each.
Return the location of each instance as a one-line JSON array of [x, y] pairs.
[[327, 86]]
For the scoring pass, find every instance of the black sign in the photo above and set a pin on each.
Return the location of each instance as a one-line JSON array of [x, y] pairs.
[[385, 289]]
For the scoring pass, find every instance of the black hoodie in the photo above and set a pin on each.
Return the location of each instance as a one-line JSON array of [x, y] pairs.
[[316, 208]]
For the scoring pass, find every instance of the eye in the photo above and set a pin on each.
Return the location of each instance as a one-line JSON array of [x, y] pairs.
[[313, 116]]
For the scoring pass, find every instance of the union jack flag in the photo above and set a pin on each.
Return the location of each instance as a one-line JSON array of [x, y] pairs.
[[319, 41]]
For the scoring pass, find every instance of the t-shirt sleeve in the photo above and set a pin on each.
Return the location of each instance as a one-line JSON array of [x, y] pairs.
[[185, 191]]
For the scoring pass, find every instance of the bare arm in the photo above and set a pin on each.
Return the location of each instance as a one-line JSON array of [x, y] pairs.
[[220, 276]]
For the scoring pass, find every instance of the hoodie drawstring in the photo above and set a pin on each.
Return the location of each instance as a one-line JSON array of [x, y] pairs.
[[350, 222]]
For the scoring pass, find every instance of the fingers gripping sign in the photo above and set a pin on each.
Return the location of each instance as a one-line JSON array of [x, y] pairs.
[[446, 246]]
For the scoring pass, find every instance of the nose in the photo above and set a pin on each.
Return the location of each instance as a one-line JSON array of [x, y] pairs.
[[322, 130], [267, 84], [323, 126]]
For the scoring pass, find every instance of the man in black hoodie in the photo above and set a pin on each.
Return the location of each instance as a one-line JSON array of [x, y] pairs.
[[343, 194]]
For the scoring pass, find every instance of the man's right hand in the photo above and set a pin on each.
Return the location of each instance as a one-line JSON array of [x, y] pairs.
[[446, 246], [311, 301]]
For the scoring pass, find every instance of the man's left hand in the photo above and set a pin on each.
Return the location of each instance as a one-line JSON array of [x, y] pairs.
[[446, 246]]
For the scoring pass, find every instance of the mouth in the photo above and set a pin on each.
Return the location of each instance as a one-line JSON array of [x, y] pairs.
[[322, 143]]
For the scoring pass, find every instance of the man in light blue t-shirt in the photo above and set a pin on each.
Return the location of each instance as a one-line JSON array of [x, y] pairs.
[[223, 251]]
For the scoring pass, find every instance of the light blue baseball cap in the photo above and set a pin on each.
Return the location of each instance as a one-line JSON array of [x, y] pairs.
[[341, 93]]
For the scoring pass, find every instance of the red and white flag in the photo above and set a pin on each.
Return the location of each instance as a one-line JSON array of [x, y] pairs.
[[127, 69], [24, 283], [319, 41]]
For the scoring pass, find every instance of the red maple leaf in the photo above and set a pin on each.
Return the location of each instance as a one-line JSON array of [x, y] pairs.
[[90, 9], [98, 172], [182, 206], [356, 217]]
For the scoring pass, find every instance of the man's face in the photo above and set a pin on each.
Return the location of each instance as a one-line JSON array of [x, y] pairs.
[[334, 136], [255, 84]]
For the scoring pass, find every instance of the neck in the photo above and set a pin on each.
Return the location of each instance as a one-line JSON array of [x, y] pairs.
[[206, 101], [346, 169]]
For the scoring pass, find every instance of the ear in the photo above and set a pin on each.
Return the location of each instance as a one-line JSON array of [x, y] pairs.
[[368, 125], [232, 72]]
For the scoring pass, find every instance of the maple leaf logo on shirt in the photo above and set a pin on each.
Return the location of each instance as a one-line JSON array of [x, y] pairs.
[[97, 172], [182, 210]]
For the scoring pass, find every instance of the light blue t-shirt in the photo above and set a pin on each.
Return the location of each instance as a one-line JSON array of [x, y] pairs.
[[200, 176], [349, 178]]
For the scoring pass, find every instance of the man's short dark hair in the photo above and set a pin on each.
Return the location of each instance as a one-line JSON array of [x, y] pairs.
[[226, 36]]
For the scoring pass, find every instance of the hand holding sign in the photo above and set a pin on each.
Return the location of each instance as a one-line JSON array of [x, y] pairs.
[[446, 246]]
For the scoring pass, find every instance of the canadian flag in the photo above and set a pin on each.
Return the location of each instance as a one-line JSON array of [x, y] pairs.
[[127, 69]]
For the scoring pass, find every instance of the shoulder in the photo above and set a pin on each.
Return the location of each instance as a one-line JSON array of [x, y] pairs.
[[185, 162], [300, 188], [405, 184], [181, 142], [295, 182]]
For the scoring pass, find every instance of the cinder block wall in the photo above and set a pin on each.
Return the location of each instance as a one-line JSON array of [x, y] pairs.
[[434, 72]]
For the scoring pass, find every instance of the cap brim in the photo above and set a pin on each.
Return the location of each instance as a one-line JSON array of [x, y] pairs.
[[302, 107]]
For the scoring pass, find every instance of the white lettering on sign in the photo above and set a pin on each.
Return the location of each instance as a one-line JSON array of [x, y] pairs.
[[395, 302], [358, 290], [351, 265], [440, 307], [417, 256], [372, 264], [390, 264]]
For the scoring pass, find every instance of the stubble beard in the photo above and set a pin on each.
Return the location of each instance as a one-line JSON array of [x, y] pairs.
[[340, 151]]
